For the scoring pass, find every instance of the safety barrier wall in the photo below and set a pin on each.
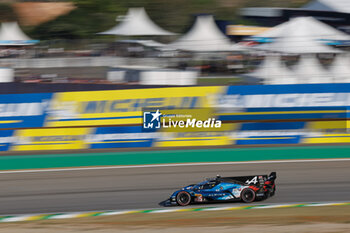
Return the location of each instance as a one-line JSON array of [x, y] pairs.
[[83, 62], [309, 113], [74, 138]]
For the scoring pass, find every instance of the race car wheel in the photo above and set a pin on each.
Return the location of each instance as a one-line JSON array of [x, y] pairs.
[[183, 198], [248, 195]]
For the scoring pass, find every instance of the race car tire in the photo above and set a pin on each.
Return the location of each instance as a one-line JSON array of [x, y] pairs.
[[248, 195], [183, 198]]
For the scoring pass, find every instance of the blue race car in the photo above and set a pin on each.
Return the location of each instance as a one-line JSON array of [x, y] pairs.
[[240, 188]]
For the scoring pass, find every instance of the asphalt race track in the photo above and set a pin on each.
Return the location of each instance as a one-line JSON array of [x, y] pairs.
[[143, 188]]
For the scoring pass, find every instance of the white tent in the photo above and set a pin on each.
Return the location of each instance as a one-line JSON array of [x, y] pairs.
[[298, 37], [296, 45], [11, 34], [329, 5], [340, 69], [146, 43], [309, 70], [311, 29], [240, 47], [204, 36], [6, 75], [137, 23], [272, 71]]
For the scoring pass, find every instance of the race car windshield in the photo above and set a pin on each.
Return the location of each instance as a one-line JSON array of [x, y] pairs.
[[205, 184], [199, 185]]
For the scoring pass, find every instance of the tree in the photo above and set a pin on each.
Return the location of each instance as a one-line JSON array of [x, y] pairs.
[[7, 14]]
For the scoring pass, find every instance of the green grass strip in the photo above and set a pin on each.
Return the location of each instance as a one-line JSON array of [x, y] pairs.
[[96, 214], [93, 214], [149, 211], [5, 217]]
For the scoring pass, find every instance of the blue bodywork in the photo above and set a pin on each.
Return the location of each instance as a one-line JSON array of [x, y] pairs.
[[244, 188], [211, 191]]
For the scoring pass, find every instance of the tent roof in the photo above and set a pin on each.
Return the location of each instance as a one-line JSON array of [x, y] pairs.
[[340, 67], [298, 37], [204, 36], [11, 34], [312, 27], [137, 23], [309, 70], [295, 45], [147, 43], [329, 5], [272, 70]]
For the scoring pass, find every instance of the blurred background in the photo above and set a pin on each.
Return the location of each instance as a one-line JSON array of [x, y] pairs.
[[209, 50], [78, 75], [205, 42]]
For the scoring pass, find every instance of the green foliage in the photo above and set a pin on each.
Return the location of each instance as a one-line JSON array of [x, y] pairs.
[[93, 16], [6, 13], [90, 17]]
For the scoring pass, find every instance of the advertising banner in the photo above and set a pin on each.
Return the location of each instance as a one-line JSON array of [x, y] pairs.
[[180, 116], [50, 139], [120, 137], [23, 110], [280, 96], [76, 138], [6, 139], [123, 107]]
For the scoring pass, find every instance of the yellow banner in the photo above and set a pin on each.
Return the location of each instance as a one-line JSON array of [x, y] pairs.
[[242, 30], [328, 132], [123, 107], [195, 139], [51, 139]]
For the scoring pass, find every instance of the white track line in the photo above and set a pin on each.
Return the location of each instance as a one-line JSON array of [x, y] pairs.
[[323, 204], [68, 215], [17, 218], [173, 165], [221, 208], [115, 212], [165, 210], [271, 206]]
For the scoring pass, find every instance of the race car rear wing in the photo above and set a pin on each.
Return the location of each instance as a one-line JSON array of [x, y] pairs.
[[250, 180], [272, 176]]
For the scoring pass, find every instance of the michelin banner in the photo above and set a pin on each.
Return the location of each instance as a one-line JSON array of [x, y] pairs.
[[279, 96], [265, 114], [123, 107]]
